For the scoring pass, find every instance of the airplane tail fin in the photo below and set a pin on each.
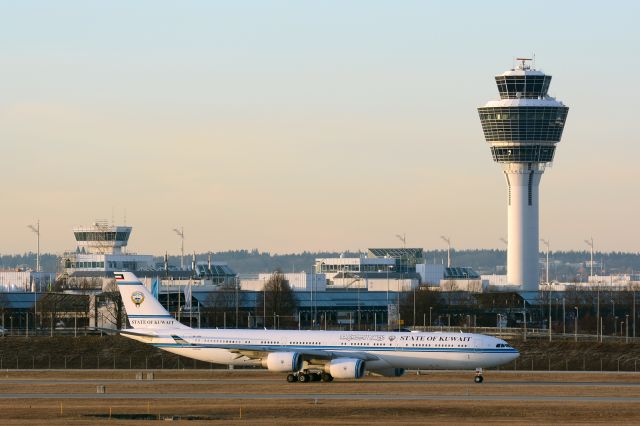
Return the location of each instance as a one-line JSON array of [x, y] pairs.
[[143, 310]]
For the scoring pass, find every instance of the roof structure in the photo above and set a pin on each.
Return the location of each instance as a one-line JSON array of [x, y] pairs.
[[459, 273], [396, 252]]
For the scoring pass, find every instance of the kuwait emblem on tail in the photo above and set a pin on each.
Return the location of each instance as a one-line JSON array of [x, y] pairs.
[[137, 297]]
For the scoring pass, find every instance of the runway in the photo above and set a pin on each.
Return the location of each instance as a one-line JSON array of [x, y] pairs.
[[362, 383], [321, 396]]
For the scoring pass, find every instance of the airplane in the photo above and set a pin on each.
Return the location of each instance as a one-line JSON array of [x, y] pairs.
[[309, 355]]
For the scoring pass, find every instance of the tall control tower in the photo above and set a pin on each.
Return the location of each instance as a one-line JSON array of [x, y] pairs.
[[523, 128]]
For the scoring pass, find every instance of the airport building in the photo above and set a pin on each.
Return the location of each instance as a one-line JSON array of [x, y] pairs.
[[100, 250], [377, 270], [25, 279]]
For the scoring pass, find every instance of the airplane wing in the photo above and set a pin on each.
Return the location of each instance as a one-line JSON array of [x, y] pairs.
[[148, 333], [320, 356], [147, 336], [314, 355]]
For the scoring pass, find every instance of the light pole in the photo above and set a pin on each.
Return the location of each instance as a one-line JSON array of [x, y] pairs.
[[237, 302], [414, 307], [180, 233], [627, 328], [576, 324], [564, 317], [633, 312], [546, 244], [506, 243], [598, 328], [36, 230], [524, 316], [448, 241], [264, 304], [590, 244], [389, 267], [398, 292], [430, 308], [549, 316], [613, 314]]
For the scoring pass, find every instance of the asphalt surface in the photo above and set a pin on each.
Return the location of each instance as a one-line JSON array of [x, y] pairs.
[[487, 382], [323, 396]]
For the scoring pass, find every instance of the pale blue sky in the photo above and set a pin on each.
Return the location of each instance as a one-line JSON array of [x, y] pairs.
[[289, 125]]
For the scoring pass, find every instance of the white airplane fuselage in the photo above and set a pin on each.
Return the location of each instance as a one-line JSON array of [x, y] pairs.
[[387, 349], [308, 355]]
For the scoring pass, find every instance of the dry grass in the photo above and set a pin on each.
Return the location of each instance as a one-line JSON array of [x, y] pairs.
[[324, 412], [306, 410]]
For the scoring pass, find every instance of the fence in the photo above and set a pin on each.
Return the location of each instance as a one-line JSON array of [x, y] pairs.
[[93, 362], [580, 363], [524, 363]]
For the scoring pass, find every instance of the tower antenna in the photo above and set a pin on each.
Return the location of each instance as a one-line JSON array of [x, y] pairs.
[[523, 65], [180, 233], [36, 230]]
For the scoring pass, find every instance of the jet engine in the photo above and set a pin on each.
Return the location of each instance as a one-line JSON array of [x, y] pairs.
[[345, 368], [388, 372], [283, 361]]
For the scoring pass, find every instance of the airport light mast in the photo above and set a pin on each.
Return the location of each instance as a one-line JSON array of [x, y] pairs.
[[36, 230], [180, 233], [523, 128]]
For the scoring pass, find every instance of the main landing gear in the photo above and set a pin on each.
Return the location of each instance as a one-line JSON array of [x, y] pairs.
[[478, 377], [306, 377]]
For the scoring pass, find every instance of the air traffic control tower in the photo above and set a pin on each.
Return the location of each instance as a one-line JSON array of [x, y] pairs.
[[523, 128]]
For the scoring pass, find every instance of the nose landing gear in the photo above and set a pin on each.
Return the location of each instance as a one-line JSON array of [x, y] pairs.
[[478, 378]]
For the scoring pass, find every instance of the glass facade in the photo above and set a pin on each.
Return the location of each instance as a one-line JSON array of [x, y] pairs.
[[503, 124], [523, 154], [69, 264], [523, 86], [102, 236]]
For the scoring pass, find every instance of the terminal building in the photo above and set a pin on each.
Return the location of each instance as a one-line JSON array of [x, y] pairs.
[[380, 269]]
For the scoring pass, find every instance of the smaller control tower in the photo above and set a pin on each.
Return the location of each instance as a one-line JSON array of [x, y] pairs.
[[523, 128], [101, 250], [102, 238]]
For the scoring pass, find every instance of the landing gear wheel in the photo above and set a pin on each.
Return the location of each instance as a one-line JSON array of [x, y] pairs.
[[303, 378], [478, 378], [291, 378], [326, 377], [315, 377]]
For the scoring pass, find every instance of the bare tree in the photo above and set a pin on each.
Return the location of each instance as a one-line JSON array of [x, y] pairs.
[[224, 300], [111, 300], [427, 301], [279, 301]]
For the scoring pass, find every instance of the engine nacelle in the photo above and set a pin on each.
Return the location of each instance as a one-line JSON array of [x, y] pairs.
[[345, 368], [283, 361], [388, 372]]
